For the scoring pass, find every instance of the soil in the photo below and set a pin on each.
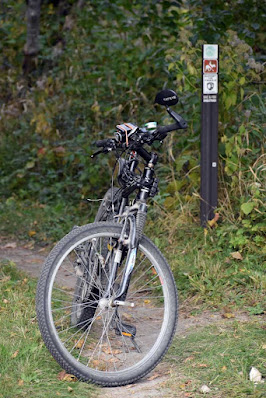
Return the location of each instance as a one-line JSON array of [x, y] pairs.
[[30, 258]]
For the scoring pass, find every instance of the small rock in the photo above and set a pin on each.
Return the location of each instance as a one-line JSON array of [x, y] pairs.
[[255, 375], [205, 389]]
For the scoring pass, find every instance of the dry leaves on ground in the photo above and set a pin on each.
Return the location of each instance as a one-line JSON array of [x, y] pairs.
[[64, 376], [228, 315], [237, 255], [11, 245]]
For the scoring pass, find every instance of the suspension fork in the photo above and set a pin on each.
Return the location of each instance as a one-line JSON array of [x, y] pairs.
[[136, 224], [129, 241], [132, 244]]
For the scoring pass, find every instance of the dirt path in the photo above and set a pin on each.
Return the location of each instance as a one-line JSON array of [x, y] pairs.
[[30, 259]]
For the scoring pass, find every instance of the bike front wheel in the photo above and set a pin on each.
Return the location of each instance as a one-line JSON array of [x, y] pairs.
[[107, 344]]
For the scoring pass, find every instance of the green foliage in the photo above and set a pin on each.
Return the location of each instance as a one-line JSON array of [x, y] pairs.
[[242, 141], [102, 64]]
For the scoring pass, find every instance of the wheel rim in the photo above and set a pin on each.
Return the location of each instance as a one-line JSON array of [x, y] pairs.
[[102, 343]]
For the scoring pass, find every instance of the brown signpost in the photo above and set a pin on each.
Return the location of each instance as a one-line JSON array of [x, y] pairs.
[[209, 133]]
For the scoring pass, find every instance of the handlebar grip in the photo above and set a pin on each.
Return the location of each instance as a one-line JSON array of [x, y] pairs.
[[167, 129], [103, 143]]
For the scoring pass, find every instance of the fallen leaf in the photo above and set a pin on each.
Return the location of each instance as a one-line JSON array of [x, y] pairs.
[[154, 376], [5, 301], [64, 376], [99, 365], [29, 245], [5, 279], [110, 351], [204, 389], [79, 343], [69, 377], [11, 245], [189, 358], [182, 386], [61, 375], [237, 255], [31, 233], [14, 354], [20, 382], [228, 315], [147, 301], [214, 220], [200, 365], [224, 368], [255, 375], [264, 346], [69, 389], [113, 360]]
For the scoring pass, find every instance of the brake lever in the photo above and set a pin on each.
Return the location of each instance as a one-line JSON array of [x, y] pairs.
[[104, 150], [96, 153]]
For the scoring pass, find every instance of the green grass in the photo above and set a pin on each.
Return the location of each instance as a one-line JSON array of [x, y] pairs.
[[220, 357], [206, 274], [26, 368]]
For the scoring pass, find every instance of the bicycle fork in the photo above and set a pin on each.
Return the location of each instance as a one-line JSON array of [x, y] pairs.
[[130, 240]]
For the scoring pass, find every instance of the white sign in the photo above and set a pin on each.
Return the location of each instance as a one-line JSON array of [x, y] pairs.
[[210, 84], [210, 51]]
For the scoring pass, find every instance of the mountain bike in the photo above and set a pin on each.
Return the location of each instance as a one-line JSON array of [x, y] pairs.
[[106, 298]]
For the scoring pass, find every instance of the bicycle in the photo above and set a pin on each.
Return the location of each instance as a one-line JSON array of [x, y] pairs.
[[106, 299]]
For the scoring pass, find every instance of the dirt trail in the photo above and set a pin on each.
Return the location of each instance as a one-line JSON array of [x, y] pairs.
[[30, 259]]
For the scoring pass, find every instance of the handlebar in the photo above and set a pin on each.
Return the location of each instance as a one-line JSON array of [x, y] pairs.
[[143, 137], [104, 143], [167, 129]]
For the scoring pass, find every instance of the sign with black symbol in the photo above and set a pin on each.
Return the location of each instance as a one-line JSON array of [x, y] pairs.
[[210, 84]]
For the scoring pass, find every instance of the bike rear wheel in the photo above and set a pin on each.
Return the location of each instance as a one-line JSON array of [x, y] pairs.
[[112, 345]]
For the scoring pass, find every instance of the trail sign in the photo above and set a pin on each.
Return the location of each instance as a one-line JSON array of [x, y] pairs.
[[210, 51], [210, 84], [209, 133], [210, 66]]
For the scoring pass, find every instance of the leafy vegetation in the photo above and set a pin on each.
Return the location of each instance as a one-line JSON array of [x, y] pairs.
[[101, 64]]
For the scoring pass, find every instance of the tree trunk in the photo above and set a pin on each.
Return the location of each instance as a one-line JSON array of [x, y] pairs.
[[31, 47]]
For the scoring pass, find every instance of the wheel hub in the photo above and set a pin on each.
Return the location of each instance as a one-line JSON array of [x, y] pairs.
[[105, 303]]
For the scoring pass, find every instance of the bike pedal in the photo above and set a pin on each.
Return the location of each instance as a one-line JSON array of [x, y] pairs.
[[126, 330]]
